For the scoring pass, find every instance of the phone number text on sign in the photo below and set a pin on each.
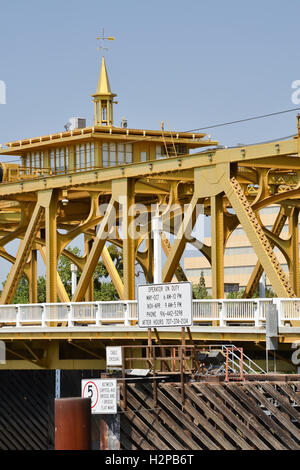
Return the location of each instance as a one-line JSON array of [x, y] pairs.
[[168, 304]]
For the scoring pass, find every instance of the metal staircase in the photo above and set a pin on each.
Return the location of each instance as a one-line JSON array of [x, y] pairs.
[[236, 364]]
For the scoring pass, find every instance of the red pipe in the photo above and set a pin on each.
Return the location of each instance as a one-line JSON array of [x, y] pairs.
[[73, 424]]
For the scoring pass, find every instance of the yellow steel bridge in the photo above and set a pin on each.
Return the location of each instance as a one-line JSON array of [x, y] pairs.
[[106, 182]]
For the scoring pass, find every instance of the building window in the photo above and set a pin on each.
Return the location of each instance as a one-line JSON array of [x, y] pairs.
[[105, 155], [159, 153], [128, 153], [92, 155], [121, 154], [116, 154], [59, 160], [82, 157], [143, 156], [52, 160], [112, 154], [33, 161]]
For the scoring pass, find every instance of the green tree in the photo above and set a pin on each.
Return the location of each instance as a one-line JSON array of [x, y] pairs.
[[103, 288], [268, 294], [22, 292], [41, 289], [199, 290], [236, 295], [106, 291]]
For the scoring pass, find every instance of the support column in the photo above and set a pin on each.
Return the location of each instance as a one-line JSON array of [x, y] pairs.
[[51, 248], [89, 295], [149, 250], [126, 191], [293, 261], [96, 114], [217, 246], [33, 293]]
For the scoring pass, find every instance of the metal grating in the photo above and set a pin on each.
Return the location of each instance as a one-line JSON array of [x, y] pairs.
[[26, 410]]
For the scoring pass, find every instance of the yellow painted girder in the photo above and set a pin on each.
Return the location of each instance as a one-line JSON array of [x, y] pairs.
[[9, 217], [95, 253], [113, 272], [22, 256], [142, 169], [257, 238], [258, 269]]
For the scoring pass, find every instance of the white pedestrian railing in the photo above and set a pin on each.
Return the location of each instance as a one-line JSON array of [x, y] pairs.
[[214, 312], [289, 310], [206, 310]]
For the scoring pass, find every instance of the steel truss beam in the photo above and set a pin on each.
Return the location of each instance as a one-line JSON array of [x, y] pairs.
[[258, 270], [220, 179], [257, 238], [123, 195], [23, 253]]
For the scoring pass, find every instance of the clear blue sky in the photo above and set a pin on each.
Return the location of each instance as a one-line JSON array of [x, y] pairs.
[[192, 63]]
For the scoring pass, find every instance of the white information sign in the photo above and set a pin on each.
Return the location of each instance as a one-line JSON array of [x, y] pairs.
[[113, 356], [103, 395], [161, 305]]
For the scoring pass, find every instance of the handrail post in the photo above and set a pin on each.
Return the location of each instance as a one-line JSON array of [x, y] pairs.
[[70, 315], [18, 317], [127, 314], [242, 365], [227, 365], [257, 314], [280, 312], [99, 314], [222, 314], [44, 318]]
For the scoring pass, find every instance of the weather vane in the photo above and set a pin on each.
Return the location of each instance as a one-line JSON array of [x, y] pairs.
[[103, 38]]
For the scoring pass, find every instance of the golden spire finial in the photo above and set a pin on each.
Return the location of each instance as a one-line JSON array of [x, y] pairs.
[[103, 98], [103, 86]]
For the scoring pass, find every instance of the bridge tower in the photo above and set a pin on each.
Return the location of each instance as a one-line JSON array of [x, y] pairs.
[[83, 181], [103, 99]]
